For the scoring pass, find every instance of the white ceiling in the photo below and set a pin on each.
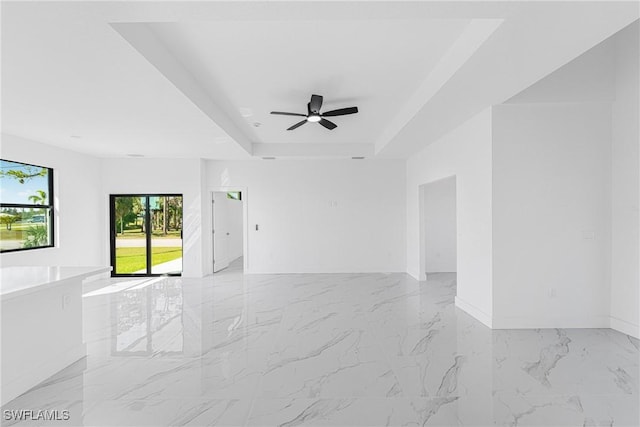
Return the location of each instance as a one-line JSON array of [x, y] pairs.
[[260, 66], [171, 79]]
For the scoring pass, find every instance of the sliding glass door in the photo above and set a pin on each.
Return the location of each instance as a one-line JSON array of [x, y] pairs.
[[146, 234]]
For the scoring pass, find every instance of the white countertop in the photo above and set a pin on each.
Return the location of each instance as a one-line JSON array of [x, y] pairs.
[[17, 281]]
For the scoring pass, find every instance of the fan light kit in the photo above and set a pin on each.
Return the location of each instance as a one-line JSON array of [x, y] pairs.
[[314, 116]]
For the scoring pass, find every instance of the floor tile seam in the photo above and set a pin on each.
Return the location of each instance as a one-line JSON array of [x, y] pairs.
[[568, 394]]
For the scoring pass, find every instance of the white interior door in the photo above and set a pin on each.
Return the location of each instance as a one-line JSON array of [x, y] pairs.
[[221, 226]]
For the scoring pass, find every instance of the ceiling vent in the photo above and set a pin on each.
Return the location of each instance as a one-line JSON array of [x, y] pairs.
[[268, 158], [358, 158]]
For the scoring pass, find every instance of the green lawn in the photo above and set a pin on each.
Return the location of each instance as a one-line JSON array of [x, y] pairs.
[[13, 234], [17, 230], [15, 238], [129, 260]]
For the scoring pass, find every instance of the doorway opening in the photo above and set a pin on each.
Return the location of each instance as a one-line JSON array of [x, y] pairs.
[[228, 230], [438, 228], [146, 234]]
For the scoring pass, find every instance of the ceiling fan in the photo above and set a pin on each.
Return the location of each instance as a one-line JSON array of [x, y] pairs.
[[314, 116]]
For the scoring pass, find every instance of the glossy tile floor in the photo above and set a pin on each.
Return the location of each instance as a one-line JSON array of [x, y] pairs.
[[328, 349]]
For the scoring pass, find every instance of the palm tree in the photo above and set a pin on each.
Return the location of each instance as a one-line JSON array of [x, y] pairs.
[[36, 236], [40, 198]]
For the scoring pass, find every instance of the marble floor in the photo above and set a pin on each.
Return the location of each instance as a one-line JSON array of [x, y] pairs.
[[327, 349]]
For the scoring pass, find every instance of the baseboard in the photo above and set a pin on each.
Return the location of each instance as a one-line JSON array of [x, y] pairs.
[[550, 322], [474, 311], [624, 327], [324, 272], [416, 276], [36, 374]]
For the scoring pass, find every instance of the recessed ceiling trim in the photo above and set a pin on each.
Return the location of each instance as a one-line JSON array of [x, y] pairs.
[[141, 38], [312, 150], [473, 36]]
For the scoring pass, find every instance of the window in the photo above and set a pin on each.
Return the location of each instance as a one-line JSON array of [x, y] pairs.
[[26, 206], [234, 195]]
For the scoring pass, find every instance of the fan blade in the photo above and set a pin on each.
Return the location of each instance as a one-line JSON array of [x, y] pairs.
[[282, 113], [297, 125], [340, 112], [329, 125], [316, 103]]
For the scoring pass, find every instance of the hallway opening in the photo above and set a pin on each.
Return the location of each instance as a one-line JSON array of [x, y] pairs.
[[438, 230]]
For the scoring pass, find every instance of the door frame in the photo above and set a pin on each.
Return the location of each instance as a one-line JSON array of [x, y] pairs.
[[245, 225], [147, 221], [422, 273]]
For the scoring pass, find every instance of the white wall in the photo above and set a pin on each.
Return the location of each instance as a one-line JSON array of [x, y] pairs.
[[551, 189], [320, 215], [607, 74], [440, 225], [79, 239], [465, 153], [149, 176], [625, 279]]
